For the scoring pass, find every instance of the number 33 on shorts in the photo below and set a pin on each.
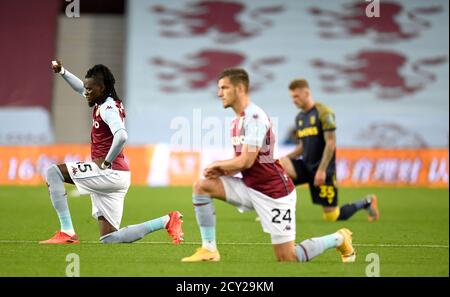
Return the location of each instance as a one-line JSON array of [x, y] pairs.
[[327, 192]]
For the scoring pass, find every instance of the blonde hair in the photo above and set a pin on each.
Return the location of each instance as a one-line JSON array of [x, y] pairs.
[[298, 84]]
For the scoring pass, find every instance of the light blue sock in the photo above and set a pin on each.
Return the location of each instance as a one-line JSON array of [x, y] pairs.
[[331, 241], [311, 248], [156, 224], [206, 219], [58, 195], [133, 233], [65, 220], [208, 233]]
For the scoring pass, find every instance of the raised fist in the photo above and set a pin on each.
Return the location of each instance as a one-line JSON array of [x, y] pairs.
[[56, 66]]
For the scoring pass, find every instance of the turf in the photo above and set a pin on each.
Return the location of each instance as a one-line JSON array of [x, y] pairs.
[[411, 239]]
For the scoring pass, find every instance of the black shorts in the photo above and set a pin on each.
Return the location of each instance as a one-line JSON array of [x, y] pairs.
[[325, 195]]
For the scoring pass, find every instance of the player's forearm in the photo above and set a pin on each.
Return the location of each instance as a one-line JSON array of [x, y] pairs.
[[75, 83], [119, 140], [235, 165], [232, 173], [328, 154], [297, 152]]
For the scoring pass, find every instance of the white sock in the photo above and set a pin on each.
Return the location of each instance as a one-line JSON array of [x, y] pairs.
[[209, 245], [339, 238], [166, 220]]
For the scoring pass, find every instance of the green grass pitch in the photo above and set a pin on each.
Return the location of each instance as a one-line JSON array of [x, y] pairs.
[[411, 239]]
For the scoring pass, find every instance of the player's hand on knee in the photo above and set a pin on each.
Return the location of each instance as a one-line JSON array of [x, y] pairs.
[[210, 173], [213, 172], [320, 177]]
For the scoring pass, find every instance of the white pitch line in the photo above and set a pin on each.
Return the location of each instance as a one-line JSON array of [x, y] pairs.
[[252, 243], [402, 245]]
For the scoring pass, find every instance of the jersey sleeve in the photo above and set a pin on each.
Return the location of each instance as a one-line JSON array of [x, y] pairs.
[[327, 118], [256, 127], [75, 83], [111, 116]]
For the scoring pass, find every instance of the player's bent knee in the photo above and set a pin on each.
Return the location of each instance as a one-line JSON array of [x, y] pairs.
[[199, 187], [203, 186], [331, 216]]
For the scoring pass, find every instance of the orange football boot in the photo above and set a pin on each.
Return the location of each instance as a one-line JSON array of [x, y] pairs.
[[374, 213], [174, 227], [348, 253], [61, 238]]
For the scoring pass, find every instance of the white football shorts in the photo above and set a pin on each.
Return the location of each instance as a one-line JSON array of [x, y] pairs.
[[107, 189], [277, 215]]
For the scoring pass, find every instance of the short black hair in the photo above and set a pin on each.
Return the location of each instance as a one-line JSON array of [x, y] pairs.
[[236, 76], [102, 74]]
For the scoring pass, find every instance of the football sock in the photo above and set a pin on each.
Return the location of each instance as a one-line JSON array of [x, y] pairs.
[[206, 219], [58, 195], [350, 209], [310, 248], [135, 232]]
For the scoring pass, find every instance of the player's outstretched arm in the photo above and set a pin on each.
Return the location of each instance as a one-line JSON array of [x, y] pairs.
[[72, 80]]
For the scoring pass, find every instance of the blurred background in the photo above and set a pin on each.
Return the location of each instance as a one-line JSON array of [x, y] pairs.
[[386, 77]]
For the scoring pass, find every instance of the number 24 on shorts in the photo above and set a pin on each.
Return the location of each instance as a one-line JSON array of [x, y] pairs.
[[277, 214]]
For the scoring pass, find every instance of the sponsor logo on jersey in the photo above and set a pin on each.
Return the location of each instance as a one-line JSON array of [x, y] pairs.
[[309, 131], [74, 170], [95, 124], [109, 107], [238, 140], [312, 120]]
